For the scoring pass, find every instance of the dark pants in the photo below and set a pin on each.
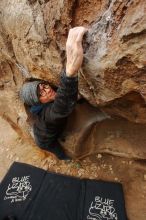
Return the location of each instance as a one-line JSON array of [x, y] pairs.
[[54, 147]]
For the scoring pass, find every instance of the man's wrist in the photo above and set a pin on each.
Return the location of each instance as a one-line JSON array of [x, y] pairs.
[[69, 80], [71, 73]]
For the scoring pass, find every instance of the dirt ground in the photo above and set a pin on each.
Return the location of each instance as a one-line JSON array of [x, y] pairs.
[[131, 173]]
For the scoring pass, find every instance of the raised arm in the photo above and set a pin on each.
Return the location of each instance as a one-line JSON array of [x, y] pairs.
[[74, 50], [68, 90]]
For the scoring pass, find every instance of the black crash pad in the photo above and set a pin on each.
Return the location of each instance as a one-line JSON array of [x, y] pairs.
[[30, 193]]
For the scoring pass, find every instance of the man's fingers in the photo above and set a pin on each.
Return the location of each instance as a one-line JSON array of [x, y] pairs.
[[81, 33], [71, 35], [74, 50], [76, 34], [73, 32]]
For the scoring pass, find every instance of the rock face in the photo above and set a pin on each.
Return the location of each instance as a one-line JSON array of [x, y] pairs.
[[91, 131], [33, 34], [32, 39]]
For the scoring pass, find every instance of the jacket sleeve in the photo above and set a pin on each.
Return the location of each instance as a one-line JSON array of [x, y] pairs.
[[65, 100]]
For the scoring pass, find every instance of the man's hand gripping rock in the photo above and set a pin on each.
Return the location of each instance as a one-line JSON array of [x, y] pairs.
[[74, 50]]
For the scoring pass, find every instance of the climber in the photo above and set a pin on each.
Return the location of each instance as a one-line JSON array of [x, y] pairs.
[[51, 108]]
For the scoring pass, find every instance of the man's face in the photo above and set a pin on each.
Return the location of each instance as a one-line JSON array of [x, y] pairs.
[[46, 93]]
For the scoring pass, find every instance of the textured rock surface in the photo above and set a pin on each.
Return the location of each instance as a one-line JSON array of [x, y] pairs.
[[113, 78], [33, 35], [94, 131]]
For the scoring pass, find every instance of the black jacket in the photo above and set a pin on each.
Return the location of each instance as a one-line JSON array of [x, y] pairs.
[[51, 120]]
